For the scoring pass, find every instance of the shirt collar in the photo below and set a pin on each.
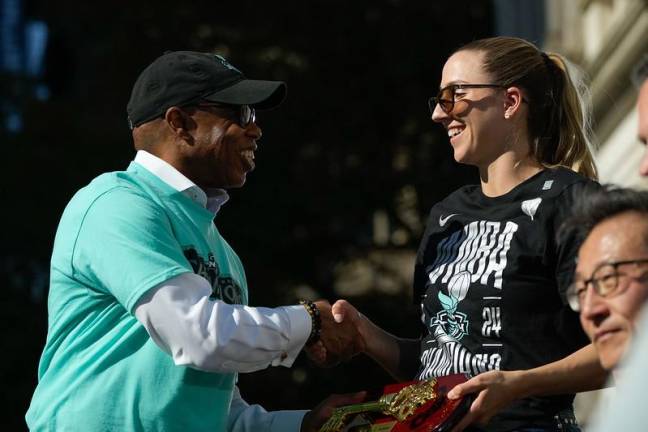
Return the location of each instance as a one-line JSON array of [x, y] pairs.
[[212, 199]]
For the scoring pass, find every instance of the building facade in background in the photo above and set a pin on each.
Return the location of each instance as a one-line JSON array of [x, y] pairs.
[[607, 38]]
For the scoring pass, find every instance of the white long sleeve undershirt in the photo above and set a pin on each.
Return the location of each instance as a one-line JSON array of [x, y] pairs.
[[253, 418], [214, 336]]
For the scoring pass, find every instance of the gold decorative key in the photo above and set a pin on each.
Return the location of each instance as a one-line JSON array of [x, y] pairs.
[[399, 405]]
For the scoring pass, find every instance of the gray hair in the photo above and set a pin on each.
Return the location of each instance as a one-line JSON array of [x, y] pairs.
[[594, 203]]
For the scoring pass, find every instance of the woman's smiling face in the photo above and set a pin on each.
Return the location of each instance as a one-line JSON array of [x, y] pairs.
[[477, 126]]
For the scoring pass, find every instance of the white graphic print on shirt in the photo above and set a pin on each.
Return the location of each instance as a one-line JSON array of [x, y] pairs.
[[477, 254], [530, 207]]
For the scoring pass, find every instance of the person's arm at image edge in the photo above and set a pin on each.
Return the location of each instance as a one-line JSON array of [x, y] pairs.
[[244, 417], [251, 418]]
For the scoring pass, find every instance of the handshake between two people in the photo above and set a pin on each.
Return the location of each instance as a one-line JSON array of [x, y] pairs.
[[341, 334], [341, 337]]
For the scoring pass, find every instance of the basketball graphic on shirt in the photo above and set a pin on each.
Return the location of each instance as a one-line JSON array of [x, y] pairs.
[[450, 322], [459, 284]]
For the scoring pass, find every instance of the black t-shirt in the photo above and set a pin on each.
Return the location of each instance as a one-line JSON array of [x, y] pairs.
[[492, 279]]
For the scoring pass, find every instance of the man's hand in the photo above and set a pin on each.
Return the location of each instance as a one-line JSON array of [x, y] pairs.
[[497, 389], [340, 338], [315, 418]]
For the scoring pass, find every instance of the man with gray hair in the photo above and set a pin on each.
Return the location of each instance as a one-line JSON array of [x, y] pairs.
[[611, 279], [609, 289]]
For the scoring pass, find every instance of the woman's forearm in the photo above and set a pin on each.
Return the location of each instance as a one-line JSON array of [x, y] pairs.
[[580, 371], [398, 356]]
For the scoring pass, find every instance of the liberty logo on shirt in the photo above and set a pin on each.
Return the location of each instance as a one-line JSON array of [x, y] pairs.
[[223, 287], [205, 268], [228, 291], [476, 254]]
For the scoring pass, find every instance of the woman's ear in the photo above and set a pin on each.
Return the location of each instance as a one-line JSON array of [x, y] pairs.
[[513, 102], [180, 123]]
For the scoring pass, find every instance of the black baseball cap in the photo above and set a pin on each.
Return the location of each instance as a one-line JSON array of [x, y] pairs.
[[180, 78]]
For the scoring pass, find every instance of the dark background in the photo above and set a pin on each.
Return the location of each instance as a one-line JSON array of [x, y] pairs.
[[352, 142]]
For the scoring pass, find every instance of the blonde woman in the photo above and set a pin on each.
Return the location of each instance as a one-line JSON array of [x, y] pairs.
[[489, 274]]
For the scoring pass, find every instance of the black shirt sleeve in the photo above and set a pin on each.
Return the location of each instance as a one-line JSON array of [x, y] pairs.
[[567, 245]]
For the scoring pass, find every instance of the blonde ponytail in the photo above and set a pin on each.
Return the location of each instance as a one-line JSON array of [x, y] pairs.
[[559, 115], [574, 147]]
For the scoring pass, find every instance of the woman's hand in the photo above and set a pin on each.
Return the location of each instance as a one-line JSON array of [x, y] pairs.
[[495, 391]]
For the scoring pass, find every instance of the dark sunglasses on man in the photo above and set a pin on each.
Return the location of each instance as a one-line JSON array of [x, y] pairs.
[[243, 115]]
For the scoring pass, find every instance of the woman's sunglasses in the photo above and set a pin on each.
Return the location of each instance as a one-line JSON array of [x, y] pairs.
[[446, 96]]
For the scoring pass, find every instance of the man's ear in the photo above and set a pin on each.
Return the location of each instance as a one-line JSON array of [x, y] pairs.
[[513, 101], [180, 123]]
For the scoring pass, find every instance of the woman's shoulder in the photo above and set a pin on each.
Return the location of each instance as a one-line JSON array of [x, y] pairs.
[[550, 184], [551, 187], [559, 189], [561, 182], [565, 177]]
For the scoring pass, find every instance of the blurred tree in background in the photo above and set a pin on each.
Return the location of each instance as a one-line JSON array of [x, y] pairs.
[[346, 170]]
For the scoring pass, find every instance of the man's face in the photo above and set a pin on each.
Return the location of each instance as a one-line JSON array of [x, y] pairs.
[[642, 108], [610, 321], [223, 150]]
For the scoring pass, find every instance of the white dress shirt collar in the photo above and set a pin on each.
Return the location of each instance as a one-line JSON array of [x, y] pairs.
[[212, 199]]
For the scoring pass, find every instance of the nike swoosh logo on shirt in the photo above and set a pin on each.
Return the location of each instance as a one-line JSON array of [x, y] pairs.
[[444, 220]]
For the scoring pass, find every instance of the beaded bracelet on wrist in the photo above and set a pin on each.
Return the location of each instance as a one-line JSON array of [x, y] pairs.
[[316, 328]]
